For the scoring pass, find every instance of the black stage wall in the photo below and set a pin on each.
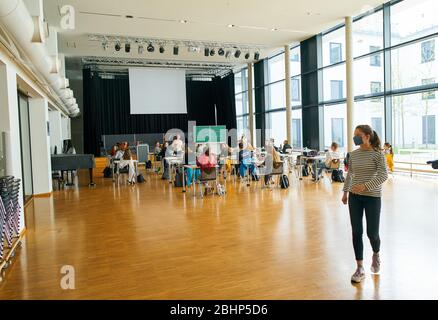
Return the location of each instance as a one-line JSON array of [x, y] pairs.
[[107, 108]]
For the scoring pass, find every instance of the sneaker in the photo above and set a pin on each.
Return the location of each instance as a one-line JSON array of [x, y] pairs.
[[358, 276], [375, 266]]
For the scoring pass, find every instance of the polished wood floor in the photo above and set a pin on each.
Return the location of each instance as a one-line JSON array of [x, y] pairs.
[[151, 241]]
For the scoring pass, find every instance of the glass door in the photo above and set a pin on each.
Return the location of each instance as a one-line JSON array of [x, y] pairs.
[[26, 155]]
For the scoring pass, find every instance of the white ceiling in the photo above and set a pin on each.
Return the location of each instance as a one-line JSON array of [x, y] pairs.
[[207, 20]]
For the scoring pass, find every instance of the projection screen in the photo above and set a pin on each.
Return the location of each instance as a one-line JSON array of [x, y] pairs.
[[157, 91]]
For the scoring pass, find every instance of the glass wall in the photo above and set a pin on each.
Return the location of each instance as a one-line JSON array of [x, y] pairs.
[[395, 79], [241, 98]]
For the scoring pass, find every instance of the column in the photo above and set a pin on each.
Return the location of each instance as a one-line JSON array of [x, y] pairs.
[[251, 104], [349, 76], [10, 124], [40, 139], [287, 95], [55, 131]]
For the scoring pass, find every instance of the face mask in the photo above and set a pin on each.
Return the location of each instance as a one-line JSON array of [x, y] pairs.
[[357, 140]]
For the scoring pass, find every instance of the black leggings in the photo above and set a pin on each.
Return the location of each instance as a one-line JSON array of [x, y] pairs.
[[357, 204]]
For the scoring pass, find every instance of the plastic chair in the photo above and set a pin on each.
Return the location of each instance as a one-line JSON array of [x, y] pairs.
[[206, 176]]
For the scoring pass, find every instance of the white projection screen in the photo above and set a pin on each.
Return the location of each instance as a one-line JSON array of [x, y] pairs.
[[157, 91]]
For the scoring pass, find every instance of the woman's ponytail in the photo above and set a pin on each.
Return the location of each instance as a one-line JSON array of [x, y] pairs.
[[375, 141]]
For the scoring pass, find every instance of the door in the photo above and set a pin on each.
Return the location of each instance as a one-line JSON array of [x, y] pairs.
[[26, 155]]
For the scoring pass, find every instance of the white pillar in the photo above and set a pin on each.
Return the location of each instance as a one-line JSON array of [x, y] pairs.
[[287, 95], [349, 77], [250, 105], [41, 164], [55, 131], [9, 123]]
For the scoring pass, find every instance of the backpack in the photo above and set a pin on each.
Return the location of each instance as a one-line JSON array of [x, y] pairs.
[[149, 164], [178, 179], [140, 178], [107, 172], [305, 171], [338, 176], [284, 182]]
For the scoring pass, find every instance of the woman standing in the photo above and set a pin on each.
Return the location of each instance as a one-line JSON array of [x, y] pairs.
[[363, 191]]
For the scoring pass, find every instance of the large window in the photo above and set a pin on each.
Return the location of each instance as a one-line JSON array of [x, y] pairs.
[[334, 82], [276, 126], [333, 47], [413, 19], [276, 68], [297, 139], [368, 36], [335, 125], [413, 122], [241, 100], [410, 65]]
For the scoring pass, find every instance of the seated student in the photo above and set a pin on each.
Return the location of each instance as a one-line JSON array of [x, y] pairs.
[[331, 155], [114, 149], [389, 155], [206, 161], [274, 160], [286, 146], [70, 149], [126, 160], [157, 149], [189, 156], [177, 145], [246, 162]]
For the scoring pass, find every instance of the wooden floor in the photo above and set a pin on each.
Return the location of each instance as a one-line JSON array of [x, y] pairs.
[[151, 241]]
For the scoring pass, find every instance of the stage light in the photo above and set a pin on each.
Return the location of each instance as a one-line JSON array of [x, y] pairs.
[[161, 49], [127, 47], [237, 53], [151, 48], [175, 50], [117, 47], [221, 52], [212, 52], [206, 52], [228, 54], [140, 49], [256, 56], [247, 55]]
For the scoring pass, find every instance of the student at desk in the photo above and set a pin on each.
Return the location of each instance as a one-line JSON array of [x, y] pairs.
[[331, 155], [286, 146], [126, 160], [189, 156], [246, 162], [273, 159]]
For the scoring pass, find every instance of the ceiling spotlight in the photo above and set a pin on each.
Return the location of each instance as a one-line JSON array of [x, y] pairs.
[[256, 56], [175, 50], [117, 47], [228, 54], [127, 47], [206, 52], [140, 49], [274, 29], [231, 26], [237, 53], [105, 45], [183, 21], [161, 49], [151, 48], [247, 56], [212, 52], [221, 52]]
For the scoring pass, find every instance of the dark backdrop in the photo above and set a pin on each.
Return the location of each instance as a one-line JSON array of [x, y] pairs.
[[107, 108]]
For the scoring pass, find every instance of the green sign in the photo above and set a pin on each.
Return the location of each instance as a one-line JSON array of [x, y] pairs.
[[210, 134]]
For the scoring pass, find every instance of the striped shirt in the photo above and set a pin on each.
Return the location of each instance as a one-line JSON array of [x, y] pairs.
[[366, 167]]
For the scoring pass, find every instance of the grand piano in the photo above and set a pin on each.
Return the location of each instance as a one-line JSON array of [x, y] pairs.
[[70, 162]]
